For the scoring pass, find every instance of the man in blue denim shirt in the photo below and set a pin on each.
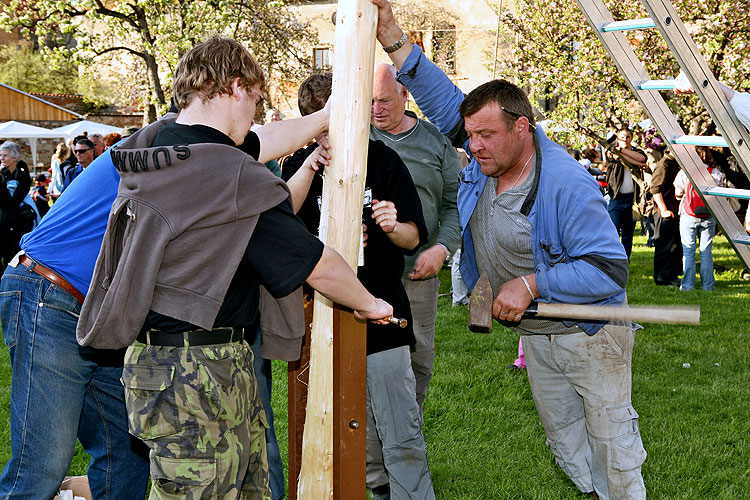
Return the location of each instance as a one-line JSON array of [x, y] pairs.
[[536, 224]]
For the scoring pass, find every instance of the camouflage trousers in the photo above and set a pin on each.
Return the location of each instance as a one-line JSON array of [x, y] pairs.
[[199, 412]]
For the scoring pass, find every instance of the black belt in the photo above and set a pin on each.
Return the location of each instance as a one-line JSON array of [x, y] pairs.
[[625, 196], [192, 337]]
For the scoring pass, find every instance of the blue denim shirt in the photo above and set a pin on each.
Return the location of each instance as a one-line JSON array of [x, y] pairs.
[[578, 256]]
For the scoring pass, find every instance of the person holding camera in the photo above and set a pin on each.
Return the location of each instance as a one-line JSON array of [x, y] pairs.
[[623, 160]]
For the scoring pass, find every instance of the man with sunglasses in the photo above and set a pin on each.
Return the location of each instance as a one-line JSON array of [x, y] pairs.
[[84, 152], [536, 224]]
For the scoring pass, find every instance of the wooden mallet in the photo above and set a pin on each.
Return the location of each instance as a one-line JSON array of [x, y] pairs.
[[480, 311]]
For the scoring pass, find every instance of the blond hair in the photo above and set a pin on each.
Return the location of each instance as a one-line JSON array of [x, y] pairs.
[[61, 152], [209, 68]]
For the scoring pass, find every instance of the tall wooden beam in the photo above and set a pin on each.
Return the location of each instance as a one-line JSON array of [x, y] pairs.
[[298, 378], [340, 228]]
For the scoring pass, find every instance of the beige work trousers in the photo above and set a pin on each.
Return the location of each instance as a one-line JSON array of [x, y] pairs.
[[581, 386]]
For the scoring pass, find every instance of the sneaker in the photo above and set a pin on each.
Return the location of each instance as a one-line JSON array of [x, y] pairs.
[[673, 283]]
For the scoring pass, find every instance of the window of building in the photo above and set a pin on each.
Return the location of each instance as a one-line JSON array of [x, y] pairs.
[[444, 49], [322, 58]]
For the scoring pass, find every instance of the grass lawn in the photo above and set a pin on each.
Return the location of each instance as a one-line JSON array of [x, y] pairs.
[[691, 387]]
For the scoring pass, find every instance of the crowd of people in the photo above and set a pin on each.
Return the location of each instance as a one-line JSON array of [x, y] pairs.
[[648, 185], [23, 204], [157, 319]]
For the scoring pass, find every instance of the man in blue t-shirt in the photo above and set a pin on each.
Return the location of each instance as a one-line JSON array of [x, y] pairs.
[[59, 389]]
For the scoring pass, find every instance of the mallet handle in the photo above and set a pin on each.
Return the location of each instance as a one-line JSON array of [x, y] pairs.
[[401, 322], [682, 315]]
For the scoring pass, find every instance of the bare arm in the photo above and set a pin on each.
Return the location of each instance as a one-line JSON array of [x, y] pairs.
[[633, 157], [336, 281], [402, 234], [663, 210], [284, 137], [299, 183]]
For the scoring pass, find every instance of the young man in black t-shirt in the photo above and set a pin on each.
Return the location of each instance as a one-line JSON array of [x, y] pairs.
[[394, 225], [183, 276]]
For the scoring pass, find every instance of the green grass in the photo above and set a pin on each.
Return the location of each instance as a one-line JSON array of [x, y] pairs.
[[483, 435]]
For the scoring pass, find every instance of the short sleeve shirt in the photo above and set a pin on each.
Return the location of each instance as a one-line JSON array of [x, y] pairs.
[[387, 179], [280, 255]]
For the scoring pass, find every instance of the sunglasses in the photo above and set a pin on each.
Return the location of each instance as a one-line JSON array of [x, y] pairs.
[[517, 116], [80, 151]]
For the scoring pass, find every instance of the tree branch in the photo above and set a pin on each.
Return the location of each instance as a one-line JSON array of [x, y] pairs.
[[126, 49]]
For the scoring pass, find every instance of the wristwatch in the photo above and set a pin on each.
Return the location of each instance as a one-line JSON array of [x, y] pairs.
[[400, 43], [447, 252]]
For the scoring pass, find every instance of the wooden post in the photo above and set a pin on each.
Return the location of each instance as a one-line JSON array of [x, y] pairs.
[[340, 228], [297, 377], [349, 410]]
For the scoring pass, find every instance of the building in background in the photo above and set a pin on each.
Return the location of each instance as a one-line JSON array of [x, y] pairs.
[[459, 36]]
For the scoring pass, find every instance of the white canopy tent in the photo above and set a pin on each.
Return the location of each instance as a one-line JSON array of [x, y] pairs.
[[18, 130], [78, 128]]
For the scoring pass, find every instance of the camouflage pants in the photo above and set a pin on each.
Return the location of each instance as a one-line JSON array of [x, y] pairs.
[[199, 412]]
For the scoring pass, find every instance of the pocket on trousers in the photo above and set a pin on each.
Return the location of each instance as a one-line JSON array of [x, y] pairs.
[[227, 385], [10, 310], [620, 341], [178, 476], [627, 452], [150, 400], [405, 423]]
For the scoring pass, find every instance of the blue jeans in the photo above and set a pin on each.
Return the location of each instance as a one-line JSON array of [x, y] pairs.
[[704, 229], [262, 368], [621, 212], [61, 390]]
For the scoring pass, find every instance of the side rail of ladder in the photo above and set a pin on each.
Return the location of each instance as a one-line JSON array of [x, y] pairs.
[[610, 34], [691, 61]]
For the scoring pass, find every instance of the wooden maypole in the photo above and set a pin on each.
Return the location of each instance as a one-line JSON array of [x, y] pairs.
[[340, 228]]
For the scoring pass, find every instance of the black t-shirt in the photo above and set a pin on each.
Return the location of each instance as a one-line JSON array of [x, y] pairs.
[[280, 255], [387, 179]]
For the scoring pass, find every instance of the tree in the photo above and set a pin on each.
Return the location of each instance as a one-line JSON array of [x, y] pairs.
[[26, 70], [157, 32], [556, 55]]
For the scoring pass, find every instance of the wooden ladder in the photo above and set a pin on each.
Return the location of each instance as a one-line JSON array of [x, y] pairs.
[[733, 133]]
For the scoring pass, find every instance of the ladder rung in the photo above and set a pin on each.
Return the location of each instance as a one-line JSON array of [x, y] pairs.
[[655, 85], [742, 240], [632, 24], [742, 194], [700, 140]]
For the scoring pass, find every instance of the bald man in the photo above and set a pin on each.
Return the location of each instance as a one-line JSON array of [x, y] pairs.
[[434, 166]]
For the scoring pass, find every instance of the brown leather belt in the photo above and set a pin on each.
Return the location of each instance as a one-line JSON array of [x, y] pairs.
[[52, 276]]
